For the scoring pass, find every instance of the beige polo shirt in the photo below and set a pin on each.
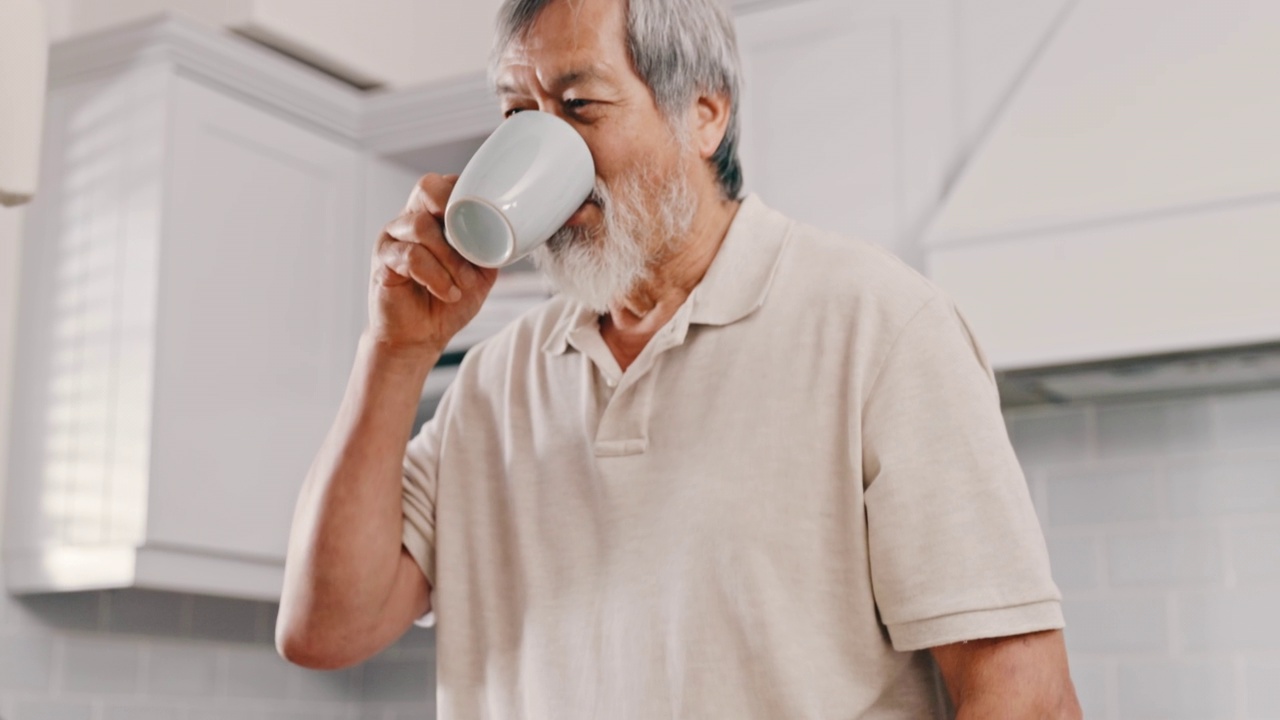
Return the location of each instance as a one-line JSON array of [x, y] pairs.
[[802, 481]]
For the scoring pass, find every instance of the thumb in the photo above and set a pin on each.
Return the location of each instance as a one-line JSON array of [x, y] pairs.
[[431, 194]]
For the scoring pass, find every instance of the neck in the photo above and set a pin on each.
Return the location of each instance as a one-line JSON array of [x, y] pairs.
[[631, 322]]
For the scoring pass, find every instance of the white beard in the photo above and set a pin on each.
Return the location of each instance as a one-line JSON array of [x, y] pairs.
[[598, 268]]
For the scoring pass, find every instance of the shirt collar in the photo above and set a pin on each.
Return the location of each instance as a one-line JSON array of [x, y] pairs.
[[736, 283]]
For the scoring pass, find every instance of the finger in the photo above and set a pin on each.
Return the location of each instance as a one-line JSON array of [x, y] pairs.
[[413, 261], [424, 229], [431, 194]]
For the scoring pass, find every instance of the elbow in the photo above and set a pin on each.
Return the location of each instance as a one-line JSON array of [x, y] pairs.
[[311, 649]]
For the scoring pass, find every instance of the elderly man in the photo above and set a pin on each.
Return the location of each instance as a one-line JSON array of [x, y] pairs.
[[737, 468]]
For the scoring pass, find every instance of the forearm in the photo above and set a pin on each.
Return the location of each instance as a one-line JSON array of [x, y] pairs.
[[344, 547], [1020, 676], [1019, 704]]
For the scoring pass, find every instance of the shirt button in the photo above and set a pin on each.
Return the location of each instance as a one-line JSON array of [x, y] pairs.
[[611, 382]]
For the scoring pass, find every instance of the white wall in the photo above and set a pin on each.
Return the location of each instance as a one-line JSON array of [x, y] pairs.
[[10, 247]]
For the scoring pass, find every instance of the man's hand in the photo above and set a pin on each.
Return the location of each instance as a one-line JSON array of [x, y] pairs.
[[350, 586], [422, 291], [1022, 676]]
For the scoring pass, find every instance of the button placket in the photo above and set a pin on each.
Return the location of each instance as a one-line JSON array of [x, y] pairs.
[[624, 424]]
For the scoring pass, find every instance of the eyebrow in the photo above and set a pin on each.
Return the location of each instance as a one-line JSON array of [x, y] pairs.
[[562, 82]]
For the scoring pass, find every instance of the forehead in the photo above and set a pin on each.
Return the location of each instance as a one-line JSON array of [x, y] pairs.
[[583, 38]]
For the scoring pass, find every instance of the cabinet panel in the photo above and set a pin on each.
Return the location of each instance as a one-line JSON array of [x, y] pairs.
[[819, 135], [996, 42], [256, 319], [82, 390]]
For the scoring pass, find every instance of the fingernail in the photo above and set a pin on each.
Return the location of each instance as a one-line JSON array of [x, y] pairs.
[[454, 294]]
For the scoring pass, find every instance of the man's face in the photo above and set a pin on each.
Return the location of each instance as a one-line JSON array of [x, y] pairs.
[[573, 63]]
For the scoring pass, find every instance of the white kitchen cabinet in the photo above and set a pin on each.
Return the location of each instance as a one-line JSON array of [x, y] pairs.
[[848, 113], [1125, 203], [192, 285], [818, 116]]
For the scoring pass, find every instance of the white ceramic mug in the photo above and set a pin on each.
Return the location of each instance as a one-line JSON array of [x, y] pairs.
[[520, 187]]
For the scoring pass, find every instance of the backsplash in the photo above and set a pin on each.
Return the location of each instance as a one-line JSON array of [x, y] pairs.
[[1163, 525], [139, 655]]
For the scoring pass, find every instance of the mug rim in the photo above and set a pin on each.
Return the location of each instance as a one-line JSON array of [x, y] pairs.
[[511, 247]]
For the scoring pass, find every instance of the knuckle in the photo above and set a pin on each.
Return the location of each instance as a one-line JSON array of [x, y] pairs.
[[428, 181], [394, 227], [425, 227]]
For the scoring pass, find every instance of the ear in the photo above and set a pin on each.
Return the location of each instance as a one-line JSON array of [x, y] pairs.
[[710, 119]]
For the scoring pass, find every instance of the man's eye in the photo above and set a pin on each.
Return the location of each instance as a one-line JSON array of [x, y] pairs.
[[576, 103], [511, 112]]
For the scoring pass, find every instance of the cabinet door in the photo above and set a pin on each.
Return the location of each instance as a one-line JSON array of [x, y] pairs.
[[256, 325], [819, 139]]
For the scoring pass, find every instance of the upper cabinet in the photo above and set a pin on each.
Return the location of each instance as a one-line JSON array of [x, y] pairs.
[[192, 283], [1127, 201], [846, 112]]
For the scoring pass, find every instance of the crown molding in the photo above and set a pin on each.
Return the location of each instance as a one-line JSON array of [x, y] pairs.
[[399, 121], [217, 57], [385, 122]]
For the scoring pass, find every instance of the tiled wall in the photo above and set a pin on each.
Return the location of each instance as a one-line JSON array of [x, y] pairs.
[[1163, 524], [136, 655]]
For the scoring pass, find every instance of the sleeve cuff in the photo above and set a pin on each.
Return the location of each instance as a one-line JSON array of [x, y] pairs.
[[976, 625], [420, 550]]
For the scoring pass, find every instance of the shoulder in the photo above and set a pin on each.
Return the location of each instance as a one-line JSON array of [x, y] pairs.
[[824, 269]]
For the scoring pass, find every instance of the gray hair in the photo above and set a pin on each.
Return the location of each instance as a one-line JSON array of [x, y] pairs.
[[680, 49]]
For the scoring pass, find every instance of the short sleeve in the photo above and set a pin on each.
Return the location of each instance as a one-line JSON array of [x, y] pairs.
[[418, 495], [956, 550]]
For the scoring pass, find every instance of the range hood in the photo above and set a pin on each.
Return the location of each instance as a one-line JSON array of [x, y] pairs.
[[1231, 369], [1116, 232]]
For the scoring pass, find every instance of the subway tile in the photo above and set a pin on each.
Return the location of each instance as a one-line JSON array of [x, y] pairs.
[[1046, 436], [175, 669], [324, 686], [1225, 485], [1262, 688], [224, 619], [1255, 552], [397, 680], [100, 665], [1154, 428], [141, 711], [46, 709], [413, 710], [1089, 675], [1249, 420], [1177, 690], [415, 643], [1164, 557], [254, 672], [26, 660], [64, 611], [267, 614], [1103, 495], [1074, 562], [1231, 620], [1117, 624], [228, 711], [313, 712], [144, 612]]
